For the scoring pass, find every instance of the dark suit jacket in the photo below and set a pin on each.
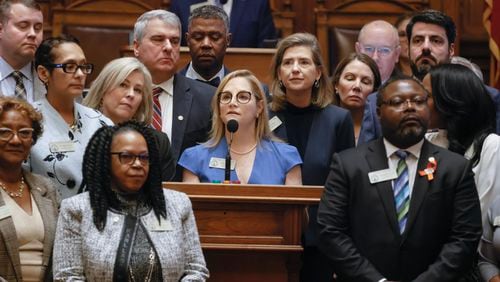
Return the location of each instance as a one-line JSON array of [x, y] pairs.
[[166, 159], [47, 201], [331, 132], [370, 127], [359, 229], [191, 119], [250, 21]]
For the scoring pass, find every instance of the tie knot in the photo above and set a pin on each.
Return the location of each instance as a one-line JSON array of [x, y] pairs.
[[401, 154], [17, 75], [157, 91], [214, 81]]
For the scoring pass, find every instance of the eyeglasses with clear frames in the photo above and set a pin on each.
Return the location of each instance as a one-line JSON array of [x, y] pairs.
[[242, 97], [6, 134], [129, 158], [401, 104], [381, 51], [73, 68]]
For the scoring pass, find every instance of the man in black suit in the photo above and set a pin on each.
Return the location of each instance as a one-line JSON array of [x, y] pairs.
[[207, 37], [182, 106], [399, 208]]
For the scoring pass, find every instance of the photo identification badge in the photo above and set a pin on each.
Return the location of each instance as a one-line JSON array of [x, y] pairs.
[[382, 175]]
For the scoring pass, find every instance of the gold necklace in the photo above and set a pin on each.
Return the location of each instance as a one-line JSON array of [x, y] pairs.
[[244, 153], [149, 274], [20, 191]]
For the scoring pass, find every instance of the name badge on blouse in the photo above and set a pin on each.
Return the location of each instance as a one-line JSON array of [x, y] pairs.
[[163, 225], [382, 175], [220, 163], [4, 212], [62, 147], [274, 123], [496, 221]]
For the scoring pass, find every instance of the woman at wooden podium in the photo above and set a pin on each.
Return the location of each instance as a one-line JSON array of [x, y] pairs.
[[303, 115], [258, 156]]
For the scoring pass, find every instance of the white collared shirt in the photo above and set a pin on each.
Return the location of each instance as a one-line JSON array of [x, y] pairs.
[[167, 105], [8, 83], [191, 73], [411, 160]]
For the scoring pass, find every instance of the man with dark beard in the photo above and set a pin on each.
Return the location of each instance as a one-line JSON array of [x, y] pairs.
[[431, 38], [399, 208]]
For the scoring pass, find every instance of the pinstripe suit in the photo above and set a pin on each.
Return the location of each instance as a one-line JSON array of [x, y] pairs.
[[46, 198]]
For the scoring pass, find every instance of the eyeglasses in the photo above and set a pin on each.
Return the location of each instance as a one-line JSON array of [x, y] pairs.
[[242, 97], [23, 133], [381, 51], [73, 68], [400, 104], [129, 158]]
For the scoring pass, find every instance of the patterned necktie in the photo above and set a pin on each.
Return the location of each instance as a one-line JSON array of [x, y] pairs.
[[20, 91], [157, 122], [402, 190]]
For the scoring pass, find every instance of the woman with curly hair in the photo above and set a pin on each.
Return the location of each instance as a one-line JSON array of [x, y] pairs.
[[28, 202], [126, 227]]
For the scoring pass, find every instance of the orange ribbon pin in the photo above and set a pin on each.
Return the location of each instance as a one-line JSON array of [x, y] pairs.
[[430, 169]]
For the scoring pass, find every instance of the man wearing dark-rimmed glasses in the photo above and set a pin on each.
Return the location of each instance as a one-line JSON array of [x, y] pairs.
[[400, 208]]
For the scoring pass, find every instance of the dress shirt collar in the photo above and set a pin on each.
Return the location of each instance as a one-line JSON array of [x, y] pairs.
[[167, 86], [191, 73], [413, 150], [6, 70]]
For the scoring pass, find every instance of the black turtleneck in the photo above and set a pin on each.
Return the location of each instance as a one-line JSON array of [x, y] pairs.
[[298, 124]]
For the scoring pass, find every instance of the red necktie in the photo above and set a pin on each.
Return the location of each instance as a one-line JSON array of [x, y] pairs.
[[156, 123]]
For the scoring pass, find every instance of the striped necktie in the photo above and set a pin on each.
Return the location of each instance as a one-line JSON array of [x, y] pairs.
[[20, 91], [157, 121], [402, 190]]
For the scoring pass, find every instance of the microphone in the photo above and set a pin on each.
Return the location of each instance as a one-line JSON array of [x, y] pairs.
[[232, 127]]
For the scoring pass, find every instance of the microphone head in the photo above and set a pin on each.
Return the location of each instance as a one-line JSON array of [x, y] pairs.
[[232, 125]]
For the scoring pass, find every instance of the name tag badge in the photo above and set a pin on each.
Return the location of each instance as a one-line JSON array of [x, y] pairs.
[[274, 123], [382, 175], [4, 212], [220, 163], [163, 225], [496, 221], [62, 147]]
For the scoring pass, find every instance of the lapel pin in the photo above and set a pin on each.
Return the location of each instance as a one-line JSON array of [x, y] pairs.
[[430, 169], [180, 118]]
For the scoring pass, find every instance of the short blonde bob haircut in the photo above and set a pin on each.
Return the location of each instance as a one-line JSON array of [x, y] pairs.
[[111, 76], [322, 95], [218, 130]]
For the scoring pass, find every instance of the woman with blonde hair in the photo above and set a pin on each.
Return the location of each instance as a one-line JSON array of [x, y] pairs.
[[259, 158], [123, 92], [303, 115]]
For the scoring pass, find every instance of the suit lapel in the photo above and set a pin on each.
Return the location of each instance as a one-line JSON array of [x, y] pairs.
[[8, 231], [420, 186], [181, 108], [377, 160]]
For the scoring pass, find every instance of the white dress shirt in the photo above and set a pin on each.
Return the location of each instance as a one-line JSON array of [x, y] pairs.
[[411, 160], [8, 83], [191, 73], [167, 105]]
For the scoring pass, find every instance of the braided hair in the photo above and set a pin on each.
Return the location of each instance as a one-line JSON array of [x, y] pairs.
[[96, 171]]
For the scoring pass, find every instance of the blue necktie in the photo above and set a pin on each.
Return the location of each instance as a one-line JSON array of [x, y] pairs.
[[402, 190]]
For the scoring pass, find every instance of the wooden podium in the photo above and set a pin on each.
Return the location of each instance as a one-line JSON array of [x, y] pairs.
[[250, 232]]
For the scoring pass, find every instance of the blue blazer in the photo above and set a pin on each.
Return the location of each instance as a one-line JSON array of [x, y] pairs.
[[331, 131], [191, 119], [251, 21], [370, 127]]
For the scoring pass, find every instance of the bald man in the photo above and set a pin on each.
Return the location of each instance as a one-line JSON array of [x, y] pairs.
[[379, 40]]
